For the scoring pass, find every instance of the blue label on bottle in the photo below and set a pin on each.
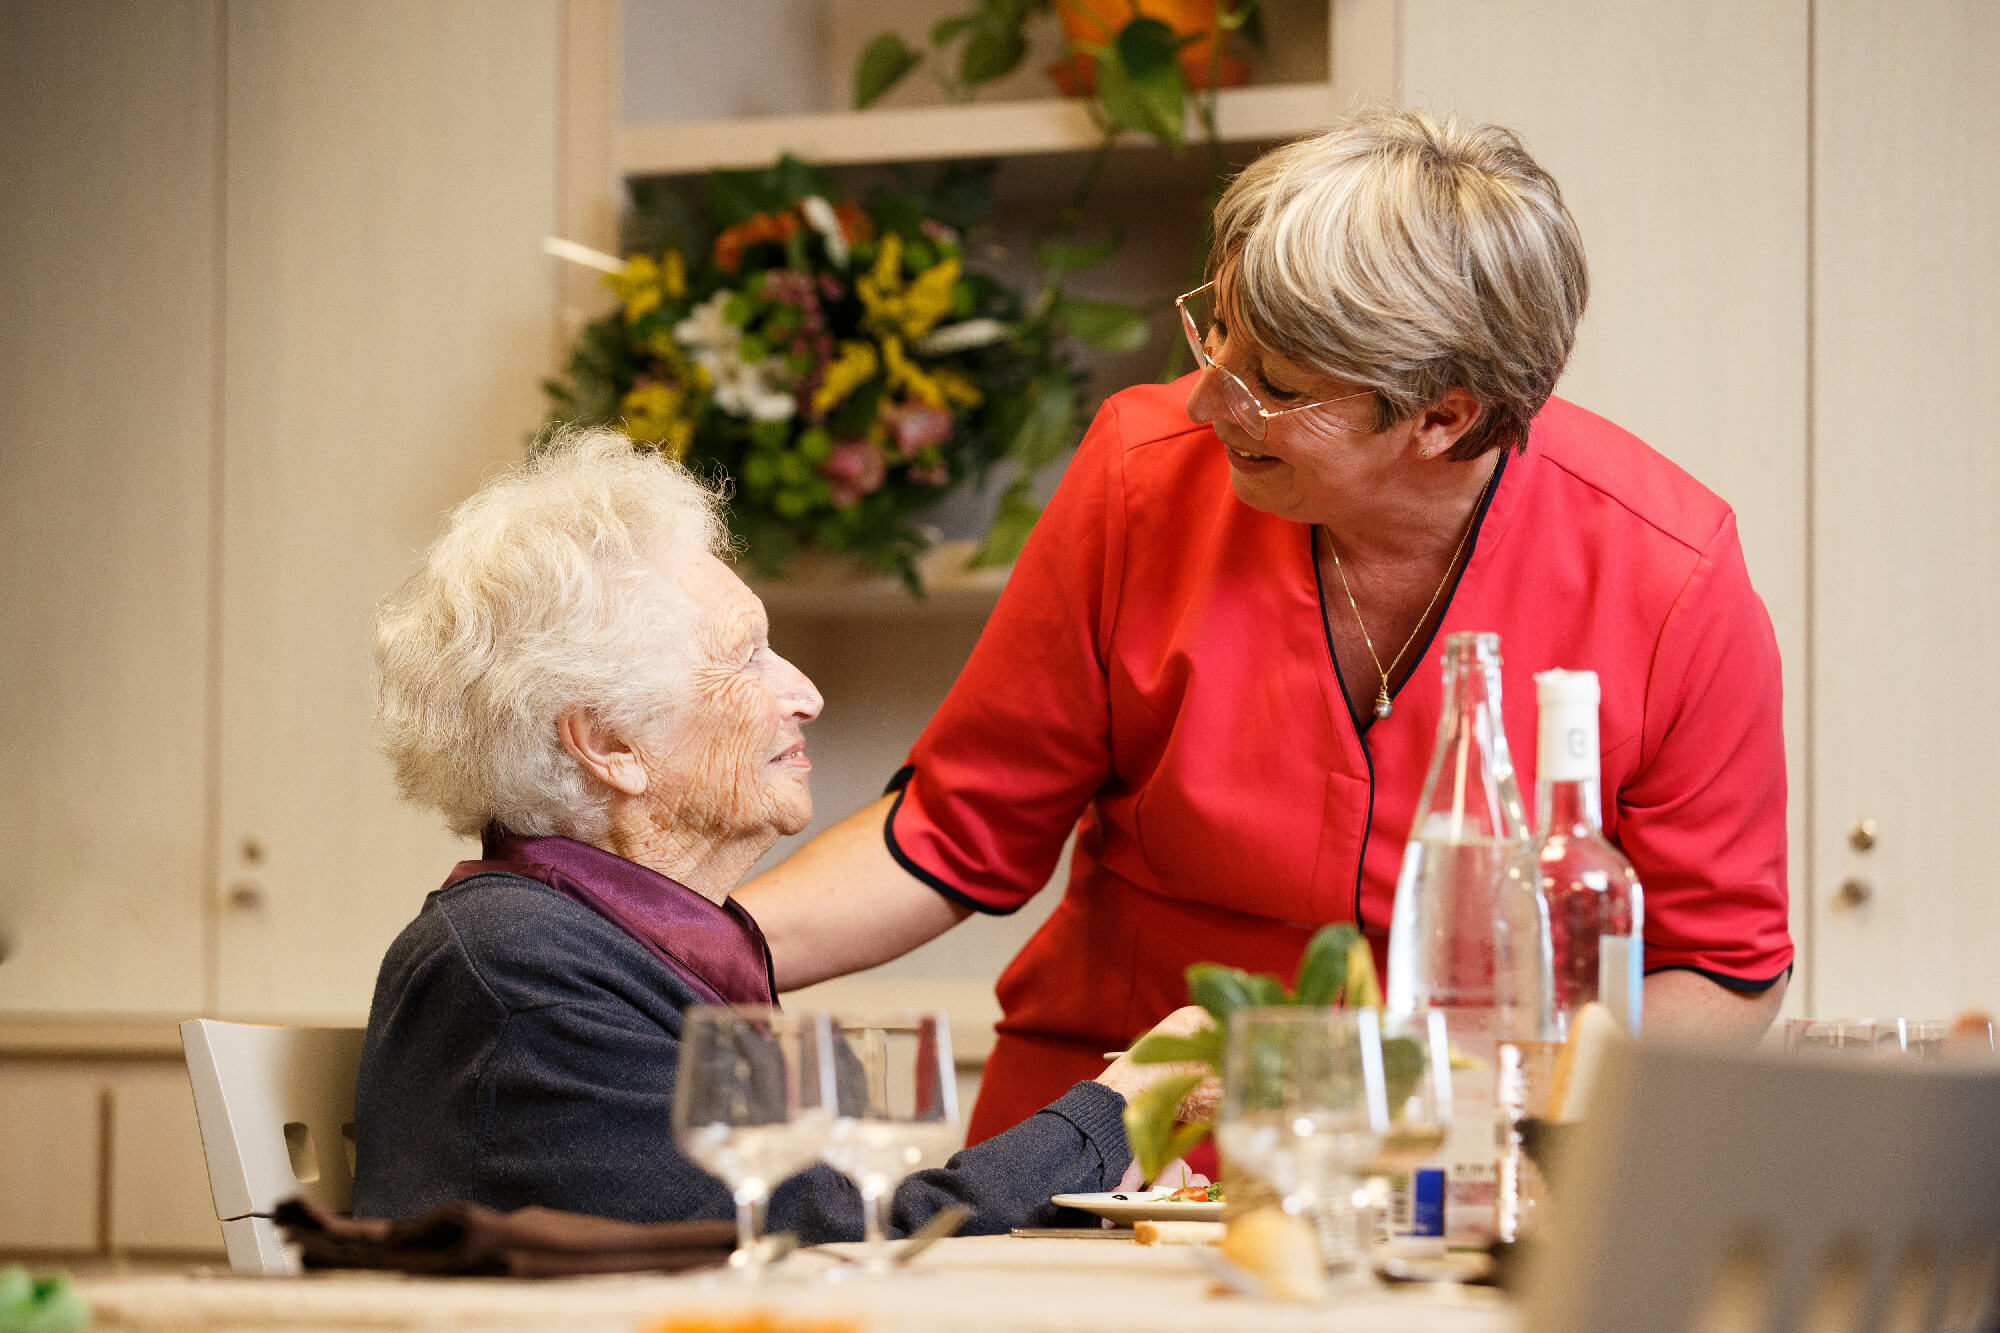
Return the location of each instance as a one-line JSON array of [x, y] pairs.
[[1427, 1203]]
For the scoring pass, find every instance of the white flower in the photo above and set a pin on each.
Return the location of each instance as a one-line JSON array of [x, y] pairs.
[[746, 389], [820, 216], [706, 326], [961, 337], [759, 390]]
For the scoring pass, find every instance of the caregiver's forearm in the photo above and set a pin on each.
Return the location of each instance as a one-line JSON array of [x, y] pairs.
[[841, 903]]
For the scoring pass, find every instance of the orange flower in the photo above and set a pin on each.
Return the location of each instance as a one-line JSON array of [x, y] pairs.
[[754, 230], [854, 223]]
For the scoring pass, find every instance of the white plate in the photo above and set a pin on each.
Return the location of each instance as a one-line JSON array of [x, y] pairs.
[[1129, 1206]]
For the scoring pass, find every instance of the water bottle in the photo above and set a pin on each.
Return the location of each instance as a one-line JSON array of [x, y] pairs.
[[1469, 827]]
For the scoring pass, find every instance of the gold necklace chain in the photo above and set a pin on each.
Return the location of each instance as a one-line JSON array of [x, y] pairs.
[[1384, 705]]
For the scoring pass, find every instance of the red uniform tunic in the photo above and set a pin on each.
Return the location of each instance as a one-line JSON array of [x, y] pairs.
[[1159, 667]]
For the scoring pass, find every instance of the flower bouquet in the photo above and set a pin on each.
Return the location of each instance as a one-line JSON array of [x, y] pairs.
[[838, 361]]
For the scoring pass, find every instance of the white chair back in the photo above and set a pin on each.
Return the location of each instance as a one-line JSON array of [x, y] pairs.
[[276, 1106], [1722, 1192]]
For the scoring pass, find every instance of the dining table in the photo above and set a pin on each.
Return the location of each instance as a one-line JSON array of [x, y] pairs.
[[1005, 1284]]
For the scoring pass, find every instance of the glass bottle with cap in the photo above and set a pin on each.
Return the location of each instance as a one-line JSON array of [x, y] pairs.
[[1594, 904]]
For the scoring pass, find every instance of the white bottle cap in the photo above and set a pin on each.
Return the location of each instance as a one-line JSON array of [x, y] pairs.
[[1566, 740]]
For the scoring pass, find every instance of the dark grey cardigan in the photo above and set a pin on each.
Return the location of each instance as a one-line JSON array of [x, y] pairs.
[[521, 1050]]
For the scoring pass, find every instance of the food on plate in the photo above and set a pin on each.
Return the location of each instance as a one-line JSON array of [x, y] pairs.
[[1280, 1250], [1149, 1232], [1209, 1193]]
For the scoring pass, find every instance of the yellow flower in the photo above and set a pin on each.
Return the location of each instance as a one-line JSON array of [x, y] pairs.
[[657, 414], [906, 310], [847, 372], [958, 387], [638, 287], [643, 283], [908, 376]]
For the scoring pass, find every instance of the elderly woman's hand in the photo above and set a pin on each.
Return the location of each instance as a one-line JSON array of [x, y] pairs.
[[1128, 1078]]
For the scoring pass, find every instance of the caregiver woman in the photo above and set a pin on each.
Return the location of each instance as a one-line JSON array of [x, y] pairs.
[[1215, 652]]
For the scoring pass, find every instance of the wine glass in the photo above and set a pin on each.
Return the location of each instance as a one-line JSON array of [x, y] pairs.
[[752, 1091], [897, 1111], [1304, 1110], [1416, 1072]]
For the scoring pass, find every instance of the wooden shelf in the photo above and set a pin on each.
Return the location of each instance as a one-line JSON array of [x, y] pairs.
[[923, 134], [824, 587]]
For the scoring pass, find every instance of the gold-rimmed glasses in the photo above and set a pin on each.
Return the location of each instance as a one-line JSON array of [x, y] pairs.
[[1248, 412]]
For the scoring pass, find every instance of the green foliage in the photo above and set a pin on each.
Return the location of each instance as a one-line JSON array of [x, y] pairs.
[[1335, 966], [1152, 1127], [1045, 424], [50, 1305], [884, 62], [1152, 103], [1108, 325]]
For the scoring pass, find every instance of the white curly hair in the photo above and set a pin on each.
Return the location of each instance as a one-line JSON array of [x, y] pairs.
[[538, 598]]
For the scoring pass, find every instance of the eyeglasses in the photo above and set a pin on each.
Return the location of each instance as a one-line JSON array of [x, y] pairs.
[[1250, 414]]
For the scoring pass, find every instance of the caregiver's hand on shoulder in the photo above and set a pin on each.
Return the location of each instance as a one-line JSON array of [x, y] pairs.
[[1128, 1078]]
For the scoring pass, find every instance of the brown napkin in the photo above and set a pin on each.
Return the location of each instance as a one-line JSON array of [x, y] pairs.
[[465, 1238]]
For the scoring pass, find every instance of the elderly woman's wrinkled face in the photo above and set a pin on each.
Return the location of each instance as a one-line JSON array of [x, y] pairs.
[[730, 760]]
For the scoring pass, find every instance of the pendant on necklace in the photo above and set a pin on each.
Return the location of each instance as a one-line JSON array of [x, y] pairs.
[[1383, 707]]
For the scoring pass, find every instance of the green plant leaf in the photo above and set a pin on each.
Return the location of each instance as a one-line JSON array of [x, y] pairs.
[[1151, 1127], [1146, 46], [1218, 989], [992, 52], [1363, 990], [1063, 257], [947, 29], [1154, 103], [1008, 533], [1163, 1049], [1322, 971], [1106, 325], [883, 64], [1402, 1066]]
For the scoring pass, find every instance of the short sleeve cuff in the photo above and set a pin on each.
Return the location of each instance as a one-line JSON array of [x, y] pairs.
[[905, 844], [1747, 985]]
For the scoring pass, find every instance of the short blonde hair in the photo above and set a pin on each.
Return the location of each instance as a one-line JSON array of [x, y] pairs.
[[1409, 256], [539, 597]]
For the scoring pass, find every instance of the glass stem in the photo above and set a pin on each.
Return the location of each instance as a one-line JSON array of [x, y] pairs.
[[749, 1229], [873, 1202]]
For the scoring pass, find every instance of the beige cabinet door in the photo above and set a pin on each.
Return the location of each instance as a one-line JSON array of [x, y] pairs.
[[1906, 490], [393, 172], [51, 1158], [110, 160]]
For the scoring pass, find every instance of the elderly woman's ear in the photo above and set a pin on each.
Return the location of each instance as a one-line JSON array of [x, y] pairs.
[[603, 753]]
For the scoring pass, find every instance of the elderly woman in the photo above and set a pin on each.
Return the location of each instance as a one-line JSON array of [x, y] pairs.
[[1215, 650], [575, 677]]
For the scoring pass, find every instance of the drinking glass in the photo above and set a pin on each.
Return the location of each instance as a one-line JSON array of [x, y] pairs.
[[1840, 1036], [1304, 1110], [754, 1088], [1416, 1070], [896, 1112]]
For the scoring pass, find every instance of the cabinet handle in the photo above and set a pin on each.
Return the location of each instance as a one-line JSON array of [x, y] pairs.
[[1862, 836], [246, 896], [1853, 893]]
